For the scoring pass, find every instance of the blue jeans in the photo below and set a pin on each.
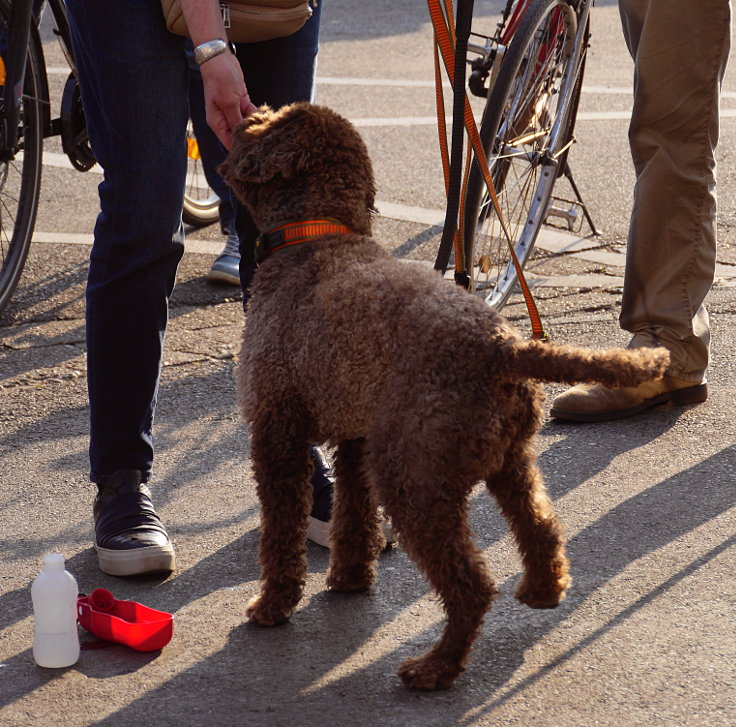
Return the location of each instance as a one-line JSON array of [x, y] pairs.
[[134, 79], [277, 72]]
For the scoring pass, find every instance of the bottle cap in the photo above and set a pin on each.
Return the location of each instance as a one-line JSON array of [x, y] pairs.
[[53, 561]]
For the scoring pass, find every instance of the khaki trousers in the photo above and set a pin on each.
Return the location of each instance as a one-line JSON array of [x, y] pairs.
[[680, 49]]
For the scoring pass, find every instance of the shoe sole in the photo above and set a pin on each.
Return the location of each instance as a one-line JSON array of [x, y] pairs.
[[318, 531], [136, 561], [679, 397], [219, 276]]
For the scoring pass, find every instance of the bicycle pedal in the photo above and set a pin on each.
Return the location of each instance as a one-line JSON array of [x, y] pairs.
[[565, 209]]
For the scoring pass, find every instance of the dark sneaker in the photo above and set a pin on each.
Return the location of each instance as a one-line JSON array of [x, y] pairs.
[[130, 538], [226, 268], [323, 482]]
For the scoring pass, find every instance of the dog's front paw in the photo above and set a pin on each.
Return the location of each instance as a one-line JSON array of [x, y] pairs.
[[543, 595], [429, 672], [266, 613]]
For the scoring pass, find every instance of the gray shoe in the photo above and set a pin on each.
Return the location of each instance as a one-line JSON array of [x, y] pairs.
[[226, 268]]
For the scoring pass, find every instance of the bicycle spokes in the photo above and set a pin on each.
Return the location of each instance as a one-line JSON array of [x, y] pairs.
[[526, 131]]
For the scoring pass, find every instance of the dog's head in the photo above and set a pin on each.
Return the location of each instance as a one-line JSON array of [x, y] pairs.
[[301, 162]]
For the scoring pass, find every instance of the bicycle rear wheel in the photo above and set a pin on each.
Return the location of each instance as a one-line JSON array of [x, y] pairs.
[[526, 131], [201, 204], [20, 176]]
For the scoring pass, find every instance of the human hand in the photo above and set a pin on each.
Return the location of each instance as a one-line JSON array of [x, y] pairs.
[[225, 96]]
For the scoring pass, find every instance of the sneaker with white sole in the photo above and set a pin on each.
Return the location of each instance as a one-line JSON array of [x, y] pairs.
[[323, 482], [226, 268], [130, 538], [318, 531]]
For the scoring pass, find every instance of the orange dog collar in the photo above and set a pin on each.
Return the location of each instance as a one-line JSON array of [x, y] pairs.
[[289, 234]]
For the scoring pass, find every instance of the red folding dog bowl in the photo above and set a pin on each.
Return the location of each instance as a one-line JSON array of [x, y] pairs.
[[125, 622]]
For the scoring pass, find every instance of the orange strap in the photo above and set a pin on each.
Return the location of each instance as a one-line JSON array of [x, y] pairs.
[[444, 31], [295, 233]]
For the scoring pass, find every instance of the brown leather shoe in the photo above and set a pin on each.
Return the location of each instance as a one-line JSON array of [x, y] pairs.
[[598, 403], [130, 538]]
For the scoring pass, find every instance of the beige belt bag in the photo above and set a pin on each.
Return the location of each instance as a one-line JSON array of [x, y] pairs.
[[248, 22]]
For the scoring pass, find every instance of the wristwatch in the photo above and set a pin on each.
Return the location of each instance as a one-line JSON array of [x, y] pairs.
[[204, 51]]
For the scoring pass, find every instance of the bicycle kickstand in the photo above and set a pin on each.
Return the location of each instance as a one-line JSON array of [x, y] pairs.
[[568, 174]]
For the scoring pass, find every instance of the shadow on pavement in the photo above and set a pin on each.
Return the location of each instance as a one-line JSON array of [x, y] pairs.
[[273, 676]]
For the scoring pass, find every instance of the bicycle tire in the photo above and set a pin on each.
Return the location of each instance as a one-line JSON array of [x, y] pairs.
[[201, 204], [20, 178], [526, 129]]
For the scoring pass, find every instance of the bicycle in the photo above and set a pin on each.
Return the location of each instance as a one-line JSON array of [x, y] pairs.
[[530, 71], [201, 204], [25, 121]]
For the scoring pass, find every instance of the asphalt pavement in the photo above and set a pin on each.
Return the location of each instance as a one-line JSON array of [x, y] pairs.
[[645, 637]]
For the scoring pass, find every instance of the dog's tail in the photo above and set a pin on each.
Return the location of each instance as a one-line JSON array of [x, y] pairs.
[[570, 365]]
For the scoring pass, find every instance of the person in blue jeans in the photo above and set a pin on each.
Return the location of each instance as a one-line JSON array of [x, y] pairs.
[[134, 79]]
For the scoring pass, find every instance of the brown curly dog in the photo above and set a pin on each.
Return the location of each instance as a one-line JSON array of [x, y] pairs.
[[424, 390]]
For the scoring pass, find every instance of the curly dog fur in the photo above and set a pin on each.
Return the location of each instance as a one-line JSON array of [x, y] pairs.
[[424, 390]]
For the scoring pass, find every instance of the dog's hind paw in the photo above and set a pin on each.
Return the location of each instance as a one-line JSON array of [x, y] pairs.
[[542, 595], [261, 612], [351, 580], [429, 672]]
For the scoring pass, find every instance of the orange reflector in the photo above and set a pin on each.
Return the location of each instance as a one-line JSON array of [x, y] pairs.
[[2, 72], [193, 148]]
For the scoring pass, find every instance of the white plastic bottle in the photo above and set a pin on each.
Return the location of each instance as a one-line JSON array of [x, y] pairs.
[[54, 595]]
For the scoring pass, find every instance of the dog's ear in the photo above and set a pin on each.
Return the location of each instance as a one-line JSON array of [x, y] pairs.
[[262, 151]]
